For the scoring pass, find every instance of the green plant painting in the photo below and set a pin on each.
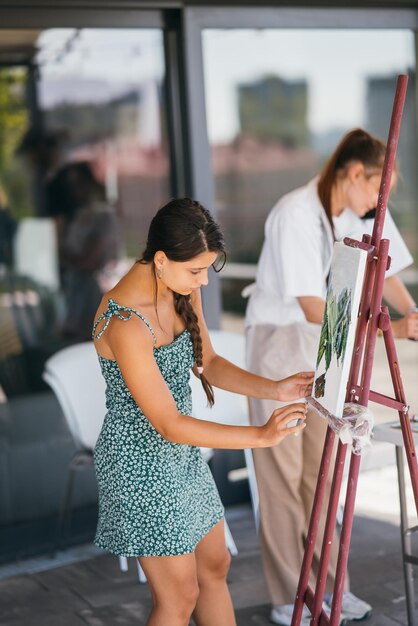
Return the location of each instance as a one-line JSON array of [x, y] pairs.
[[334, 333]]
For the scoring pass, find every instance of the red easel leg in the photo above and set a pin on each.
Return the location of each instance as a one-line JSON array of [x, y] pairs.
[[345, 540], [328, 534], [313, 527]]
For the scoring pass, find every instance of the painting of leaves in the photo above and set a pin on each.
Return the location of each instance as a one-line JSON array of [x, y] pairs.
[[334, 333], [337, 333]]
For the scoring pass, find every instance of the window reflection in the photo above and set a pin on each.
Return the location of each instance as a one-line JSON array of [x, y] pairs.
[[277, 108], [83, 165]]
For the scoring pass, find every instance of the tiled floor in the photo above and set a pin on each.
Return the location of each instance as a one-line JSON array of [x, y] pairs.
[[95, 592]]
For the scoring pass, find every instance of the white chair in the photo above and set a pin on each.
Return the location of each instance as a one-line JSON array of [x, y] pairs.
[[229, 408], [75, 377]]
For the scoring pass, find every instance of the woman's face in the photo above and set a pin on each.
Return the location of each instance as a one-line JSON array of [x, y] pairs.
[[362, 188], [184, 277]]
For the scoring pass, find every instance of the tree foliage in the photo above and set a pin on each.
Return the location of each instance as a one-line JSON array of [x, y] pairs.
[[13, 123]]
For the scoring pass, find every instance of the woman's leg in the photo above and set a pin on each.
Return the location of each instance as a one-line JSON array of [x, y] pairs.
[[214, 605], [174, 588]]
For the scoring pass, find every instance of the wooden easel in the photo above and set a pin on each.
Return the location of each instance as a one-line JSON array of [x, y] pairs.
[[372, 316]]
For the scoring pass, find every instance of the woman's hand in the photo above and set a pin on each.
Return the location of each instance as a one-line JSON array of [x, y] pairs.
[[276, 428], [294, 387], [406, 327]]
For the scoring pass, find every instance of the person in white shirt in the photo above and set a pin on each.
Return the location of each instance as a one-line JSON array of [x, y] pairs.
[[283, 320]]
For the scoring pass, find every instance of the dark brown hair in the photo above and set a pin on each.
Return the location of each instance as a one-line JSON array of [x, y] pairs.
[[357, 145], [182, 229]]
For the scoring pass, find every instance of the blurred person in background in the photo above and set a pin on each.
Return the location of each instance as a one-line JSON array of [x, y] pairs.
[[87, 227], [43, 152], [88, 242]]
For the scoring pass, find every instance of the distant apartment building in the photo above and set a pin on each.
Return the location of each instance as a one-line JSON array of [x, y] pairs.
[[275, 109]]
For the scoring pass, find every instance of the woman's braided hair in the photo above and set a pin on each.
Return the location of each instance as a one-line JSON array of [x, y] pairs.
[[182, 229]]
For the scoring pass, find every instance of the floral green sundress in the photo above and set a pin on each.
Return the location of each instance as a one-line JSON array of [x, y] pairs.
[[156, 498]]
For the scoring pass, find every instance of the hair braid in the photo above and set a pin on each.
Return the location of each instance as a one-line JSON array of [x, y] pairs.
[[184, 308]]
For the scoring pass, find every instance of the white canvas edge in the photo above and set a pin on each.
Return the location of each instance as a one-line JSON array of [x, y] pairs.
[[357, 291], [352, 330]]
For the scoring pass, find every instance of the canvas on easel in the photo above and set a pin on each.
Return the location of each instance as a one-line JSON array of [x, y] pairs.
[[338, 329]]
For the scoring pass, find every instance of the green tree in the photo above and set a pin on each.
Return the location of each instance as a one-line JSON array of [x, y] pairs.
[[13, 123]]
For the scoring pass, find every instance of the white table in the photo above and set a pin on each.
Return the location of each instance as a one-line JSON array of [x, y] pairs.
[[391, 434]]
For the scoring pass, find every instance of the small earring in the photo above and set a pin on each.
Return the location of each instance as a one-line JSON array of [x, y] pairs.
[[160, 272]]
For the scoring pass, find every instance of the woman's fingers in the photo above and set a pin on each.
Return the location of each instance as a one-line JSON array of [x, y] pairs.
[[278, 425], [291, 418], [309, 375], [305, 380], [308, 386], [298, 407], [289, 414], [412, 325], [283, 426], [294, 429], [308, 378], [303, 377]]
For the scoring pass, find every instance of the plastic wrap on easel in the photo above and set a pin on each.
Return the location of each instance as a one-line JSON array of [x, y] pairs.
[[355, 427]]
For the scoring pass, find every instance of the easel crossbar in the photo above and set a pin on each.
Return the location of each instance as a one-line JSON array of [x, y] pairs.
[[380, 398]]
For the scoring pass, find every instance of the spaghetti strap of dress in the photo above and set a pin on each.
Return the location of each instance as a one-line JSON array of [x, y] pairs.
[[124, 313]]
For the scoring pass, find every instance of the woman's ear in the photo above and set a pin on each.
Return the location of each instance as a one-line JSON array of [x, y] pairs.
[[160, 258], [355, 171]]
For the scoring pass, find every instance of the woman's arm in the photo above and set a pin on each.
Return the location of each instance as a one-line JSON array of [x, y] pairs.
[[133, 350], [223, 374], [399, 298], [313, 308], [397, 295]]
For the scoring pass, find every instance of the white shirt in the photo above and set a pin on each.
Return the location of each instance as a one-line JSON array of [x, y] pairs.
[[296, 255], [348, 224]]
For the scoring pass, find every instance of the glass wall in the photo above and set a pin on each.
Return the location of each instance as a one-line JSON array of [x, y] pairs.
[[83, 165], [276, 109]]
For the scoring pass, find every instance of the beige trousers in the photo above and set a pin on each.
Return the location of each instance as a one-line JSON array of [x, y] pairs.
[[287, 474]]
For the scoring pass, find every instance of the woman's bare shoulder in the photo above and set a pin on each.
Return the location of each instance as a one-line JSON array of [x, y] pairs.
[[117, 308]]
